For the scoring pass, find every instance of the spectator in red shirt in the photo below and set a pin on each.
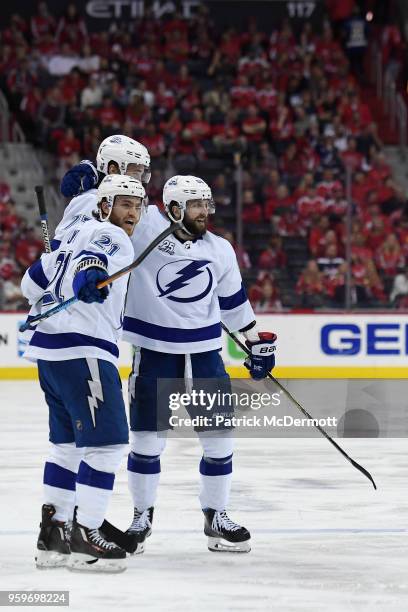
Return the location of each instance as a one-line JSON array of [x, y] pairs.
[[242, 93], [109, 115], [198, 127], [153, 141], [351, 157], [266, 97], [310, 205], [254, 125], [226, 136], [289, 224], [69, 145], [359, 189], [359, 246], [273, 256], [72, 28], [310, 286], [51, 114], [28, 249], [375, 230], [43, 23], [183, 81], [252, 212], [165, 100], [176, 48], [171, 125], [269, 300], [389, 256], [317, 236], [271, 184], [291, 163], [328, 185], [282, 128], [280, 203]]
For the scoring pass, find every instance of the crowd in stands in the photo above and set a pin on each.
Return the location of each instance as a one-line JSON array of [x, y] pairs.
[[19, 248], [286, 104]]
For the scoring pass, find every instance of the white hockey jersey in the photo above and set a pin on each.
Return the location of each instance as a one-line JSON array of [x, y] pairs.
[[82, 330], [179, 295]]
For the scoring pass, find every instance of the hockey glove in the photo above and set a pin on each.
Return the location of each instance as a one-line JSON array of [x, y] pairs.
[[84, 285], [80, 178], [262, 358]]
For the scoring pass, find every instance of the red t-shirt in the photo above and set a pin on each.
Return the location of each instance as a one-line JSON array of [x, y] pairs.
[[27, 251], [67, 146]]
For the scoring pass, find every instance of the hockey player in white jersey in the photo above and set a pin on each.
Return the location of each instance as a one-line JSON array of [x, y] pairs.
[[190, 283], [117, 154], [76, 351]]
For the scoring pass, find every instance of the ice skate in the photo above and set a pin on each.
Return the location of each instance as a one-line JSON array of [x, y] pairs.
[[53, 549], [223, 534], [140, 529], [91, 552]]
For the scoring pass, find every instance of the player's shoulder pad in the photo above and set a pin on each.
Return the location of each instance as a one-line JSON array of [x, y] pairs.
[[223, 247], [110, 233], [82, 200]]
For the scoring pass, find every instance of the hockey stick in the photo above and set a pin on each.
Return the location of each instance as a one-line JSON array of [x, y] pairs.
[[305, 412], [30, 324], [39, 190]]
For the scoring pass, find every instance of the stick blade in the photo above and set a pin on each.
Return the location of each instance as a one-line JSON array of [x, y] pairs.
[[363, 471], [119, 537]]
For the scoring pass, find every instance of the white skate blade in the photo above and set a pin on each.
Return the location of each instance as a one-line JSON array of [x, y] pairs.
[[79, 562], [50, 559], [221, 545]]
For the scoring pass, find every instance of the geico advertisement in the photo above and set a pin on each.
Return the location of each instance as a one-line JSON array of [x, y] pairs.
[[333, 340], [303, 340]]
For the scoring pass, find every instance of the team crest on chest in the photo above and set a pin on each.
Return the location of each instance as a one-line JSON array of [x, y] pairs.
[[185, 280]]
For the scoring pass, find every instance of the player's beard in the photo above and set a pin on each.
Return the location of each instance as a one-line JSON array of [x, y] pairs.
[[195, 228]]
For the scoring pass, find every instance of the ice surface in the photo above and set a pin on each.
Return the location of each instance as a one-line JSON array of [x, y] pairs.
[[322, 538]]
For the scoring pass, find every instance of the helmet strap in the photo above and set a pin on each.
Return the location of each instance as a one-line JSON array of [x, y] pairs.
[[180, 221]]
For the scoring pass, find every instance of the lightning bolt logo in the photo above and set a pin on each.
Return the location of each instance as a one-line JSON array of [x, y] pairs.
[[184, 277], [95, 387]]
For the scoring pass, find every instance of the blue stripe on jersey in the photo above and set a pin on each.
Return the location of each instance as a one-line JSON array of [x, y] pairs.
[[59, 341], [57, 476], [55, 244], [232, 301], [95, 478], [171, 334], [37, 275]]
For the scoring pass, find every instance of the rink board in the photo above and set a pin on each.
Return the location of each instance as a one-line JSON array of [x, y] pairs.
[[309, 346]]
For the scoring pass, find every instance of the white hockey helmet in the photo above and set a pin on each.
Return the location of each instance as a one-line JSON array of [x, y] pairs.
[[123, 150], [116, 184], [181, 189]]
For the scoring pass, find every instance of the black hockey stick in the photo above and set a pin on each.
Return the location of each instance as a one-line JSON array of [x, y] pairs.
[[31, 323], [305, 412], [123, 539], [39, 190]]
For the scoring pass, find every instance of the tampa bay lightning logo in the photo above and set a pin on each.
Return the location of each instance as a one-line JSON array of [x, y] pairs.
[[184, 280]]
